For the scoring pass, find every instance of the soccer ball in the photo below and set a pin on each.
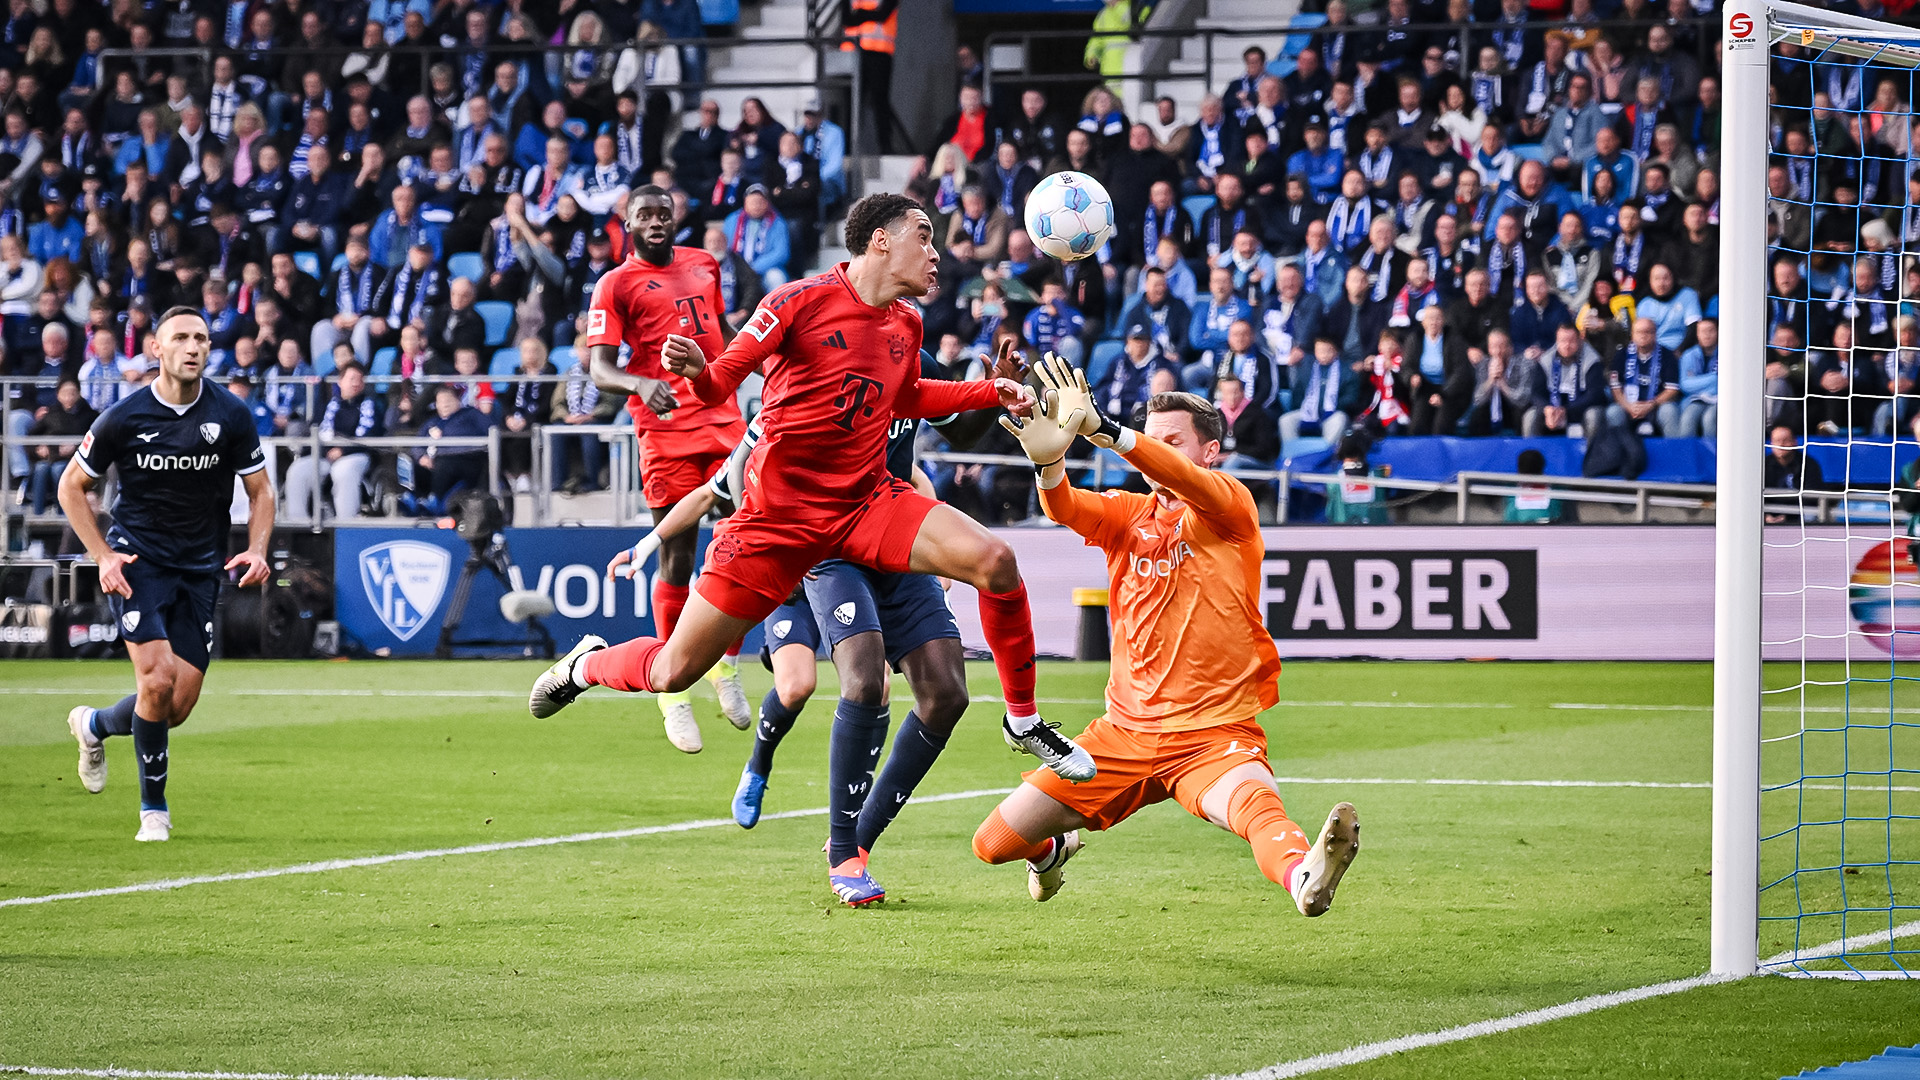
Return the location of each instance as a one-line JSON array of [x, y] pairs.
[[1069, 215]]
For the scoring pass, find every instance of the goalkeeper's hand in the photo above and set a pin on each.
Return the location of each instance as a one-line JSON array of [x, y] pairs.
[[1069, 385], [628, 562], [1045, 435]]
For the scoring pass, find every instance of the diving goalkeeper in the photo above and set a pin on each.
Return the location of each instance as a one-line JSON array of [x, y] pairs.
[[1193, 665]]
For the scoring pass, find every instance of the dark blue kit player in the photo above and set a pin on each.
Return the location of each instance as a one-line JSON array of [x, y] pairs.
[[176, 445]]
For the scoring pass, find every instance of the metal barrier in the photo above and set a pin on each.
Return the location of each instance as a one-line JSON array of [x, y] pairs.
[[1707, 30]]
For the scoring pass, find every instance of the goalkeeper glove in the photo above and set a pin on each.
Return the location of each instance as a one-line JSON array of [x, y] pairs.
[[1069, 385], [1046, 435]]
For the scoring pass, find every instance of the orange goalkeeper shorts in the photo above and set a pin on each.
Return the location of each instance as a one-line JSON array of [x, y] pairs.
[[1140, 768]]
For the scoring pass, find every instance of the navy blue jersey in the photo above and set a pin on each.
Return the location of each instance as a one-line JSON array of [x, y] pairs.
[[176, 470]]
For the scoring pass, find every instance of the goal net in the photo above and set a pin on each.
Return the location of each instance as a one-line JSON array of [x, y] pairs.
[[1832, 302]]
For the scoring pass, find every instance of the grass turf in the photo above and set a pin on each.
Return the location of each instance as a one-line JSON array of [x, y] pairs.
[[720, 953]]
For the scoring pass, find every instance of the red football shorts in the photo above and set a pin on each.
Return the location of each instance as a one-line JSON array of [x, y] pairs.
[[1140, 768], [674, 464], [758, 556]]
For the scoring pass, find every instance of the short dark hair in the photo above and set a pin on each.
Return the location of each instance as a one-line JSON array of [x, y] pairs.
[[353, 365], [178, 309], [874, 212], [1206, 419], [645, 191]]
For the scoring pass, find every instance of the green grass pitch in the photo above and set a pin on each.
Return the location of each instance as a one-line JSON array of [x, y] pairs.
[[720, 953]]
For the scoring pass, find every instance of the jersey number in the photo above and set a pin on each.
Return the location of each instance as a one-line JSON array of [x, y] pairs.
[[693, 314], [855, 393]]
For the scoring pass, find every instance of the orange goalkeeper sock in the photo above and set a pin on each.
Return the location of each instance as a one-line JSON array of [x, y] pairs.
[[1255, 812], [997, 843]]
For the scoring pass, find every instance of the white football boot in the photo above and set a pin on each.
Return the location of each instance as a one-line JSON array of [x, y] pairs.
[[556, 689], [155, 825], [93, 753], [1044, 877], [1319, 873]]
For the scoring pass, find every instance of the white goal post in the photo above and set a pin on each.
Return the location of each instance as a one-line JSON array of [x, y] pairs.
[[1752, 31]]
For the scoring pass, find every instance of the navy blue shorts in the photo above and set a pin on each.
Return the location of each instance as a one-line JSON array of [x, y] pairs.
[[175, 606], [907, 610], [790, 624]]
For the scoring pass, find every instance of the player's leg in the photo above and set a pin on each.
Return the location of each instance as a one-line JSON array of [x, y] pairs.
[[924, 644], [953, 545], [1042, 820], [859, 733], [1031, 824], [671, 585], [155, 669], [792, 645]]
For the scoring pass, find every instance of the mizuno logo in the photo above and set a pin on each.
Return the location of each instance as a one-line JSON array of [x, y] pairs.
[[147, 436], [835, 340], [1148, 537]]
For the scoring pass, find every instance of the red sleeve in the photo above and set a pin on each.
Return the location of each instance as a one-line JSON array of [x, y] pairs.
[[921, 398], [606, 324], [760, 338]]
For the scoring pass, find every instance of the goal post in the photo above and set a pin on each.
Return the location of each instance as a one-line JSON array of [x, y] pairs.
[[1816, 782]]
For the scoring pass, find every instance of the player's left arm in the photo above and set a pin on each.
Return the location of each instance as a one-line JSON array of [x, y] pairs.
[[923, 399], [259, 530]]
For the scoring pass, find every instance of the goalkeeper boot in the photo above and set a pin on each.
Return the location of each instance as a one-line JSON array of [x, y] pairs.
[[155, 825], [852, 883], [1320, 871], [1055, 751], [558, 686], [93, 754], [747, 798], [725, 678], [683, 730], [1044, 878]]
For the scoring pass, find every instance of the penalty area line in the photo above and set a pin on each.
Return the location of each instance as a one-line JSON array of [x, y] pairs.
[[1356, 1055]]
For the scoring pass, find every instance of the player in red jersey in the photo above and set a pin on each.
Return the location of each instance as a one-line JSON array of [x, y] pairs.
[[658, 291], [842, 358]]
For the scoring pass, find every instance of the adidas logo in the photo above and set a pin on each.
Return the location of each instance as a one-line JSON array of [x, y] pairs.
[[652, 285], [835, 340]]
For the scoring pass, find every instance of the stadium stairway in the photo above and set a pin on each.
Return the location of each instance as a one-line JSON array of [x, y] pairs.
[[1182, 72], [748, 57]]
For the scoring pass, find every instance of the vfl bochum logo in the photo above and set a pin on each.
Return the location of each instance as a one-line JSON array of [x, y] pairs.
[[404, 580]]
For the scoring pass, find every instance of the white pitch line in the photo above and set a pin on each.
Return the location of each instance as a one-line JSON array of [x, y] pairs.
[[1533, 1017], [328, 865], [173, 1075]]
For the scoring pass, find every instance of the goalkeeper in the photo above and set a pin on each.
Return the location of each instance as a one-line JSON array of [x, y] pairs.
[[1193, 665]]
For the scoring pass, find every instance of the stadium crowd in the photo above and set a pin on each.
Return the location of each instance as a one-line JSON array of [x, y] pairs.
[[1503, 226]]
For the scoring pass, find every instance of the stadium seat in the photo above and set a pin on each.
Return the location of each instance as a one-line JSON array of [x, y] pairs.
[[384, 361], [504, 362], [564, 359], [1287, 61], [1101, 362], [339, 261], [466, 264], [1195, 205], [1531, 152], [498, 315], [307, 262], [323, 365]]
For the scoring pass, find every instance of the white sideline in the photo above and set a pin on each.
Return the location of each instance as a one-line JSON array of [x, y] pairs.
[[1371, 1051]]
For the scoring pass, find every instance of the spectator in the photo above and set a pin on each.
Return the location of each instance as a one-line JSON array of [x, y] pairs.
[[1788, 468], [1321, 393], [1441, 382], [549, 181], [1700, 382], [69, 417], [1318, 162], [1131, 175], [1212, 318], [696, 151], [350, 294], [1289, 218], [57, 235], [757, 234], [1322, 265], [351, 414], [823, 141], [728, 190], [407, 297], [578, 401], [1165, 314], [1228, 217], [1127, 389], [1253, 437], [1842, 384], [1695, 253], [1571, 263], [1671, 307], [1537, 318], [1291, 316], [1572, 132], [457, 325], [1244, 358], [1573, 386], [1178, 274], [1505, 392], [1054, 326], [740, 288], [1418, 294], [401, 229], [241, 385], [1209, 140], [445, 471], [1645, 383], [1251, 266]]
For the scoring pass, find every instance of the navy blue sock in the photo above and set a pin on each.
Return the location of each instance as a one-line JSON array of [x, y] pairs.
[[915, 749], [859, 733], [150, 743], [115, 719], [775, 721]]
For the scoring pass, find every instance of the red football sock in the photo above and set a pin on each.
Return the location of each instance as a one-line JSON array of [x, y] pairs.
[[667, 602], [1008, 625], [1255, 812], [627, 666], [732, 655], [997, 843]]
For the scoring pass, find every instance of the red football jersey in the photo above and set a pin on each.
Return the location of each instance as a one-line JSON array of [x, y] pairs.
[[838, 370], [639, 303]]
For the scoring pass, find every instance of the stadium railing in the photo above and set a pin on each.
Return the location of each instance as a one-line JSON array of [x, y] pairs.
[[1287, 41]]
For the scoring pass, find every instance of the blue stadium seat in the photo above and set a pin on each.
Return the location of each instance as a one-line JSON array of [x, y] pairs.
[[339, 261], [1195, 205], [384, 361], [504, 362], [1532, 152], [498, 315], [323, 365], [564, 359], [1286, 62], [307, 262], [466, 264], [1101, 362]]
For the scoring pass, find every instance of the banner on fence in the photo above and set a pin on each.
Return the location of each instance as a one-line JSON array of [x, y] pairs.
[[1519, 592], [393, 587]]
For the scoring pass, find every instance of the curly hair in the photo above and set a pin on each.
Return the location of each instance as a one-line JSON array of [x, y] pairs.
[[874, 212]]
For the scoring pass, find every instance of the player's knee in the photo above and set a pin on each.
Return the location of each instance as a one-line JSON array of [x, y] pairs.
[[1000, 572], [794, 690], [865, 686], [941, 706]]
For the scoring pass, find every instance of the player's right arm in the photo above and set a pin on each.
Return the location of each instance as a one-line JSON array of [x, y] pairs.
[[606, 328], [96, 452]]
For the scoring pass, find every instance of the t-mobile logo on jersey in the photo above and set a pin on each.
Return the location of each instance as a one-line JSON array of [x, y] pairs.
[[853, 401]]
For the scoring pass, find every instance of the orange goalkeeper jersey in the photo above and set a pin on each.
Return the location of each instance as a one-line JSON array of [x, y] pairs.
[[1190, 649]]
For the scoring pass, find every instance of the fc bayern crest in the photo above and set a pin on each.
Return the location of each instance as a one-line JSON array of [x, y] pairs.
[[404, 580], [210, 432]]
